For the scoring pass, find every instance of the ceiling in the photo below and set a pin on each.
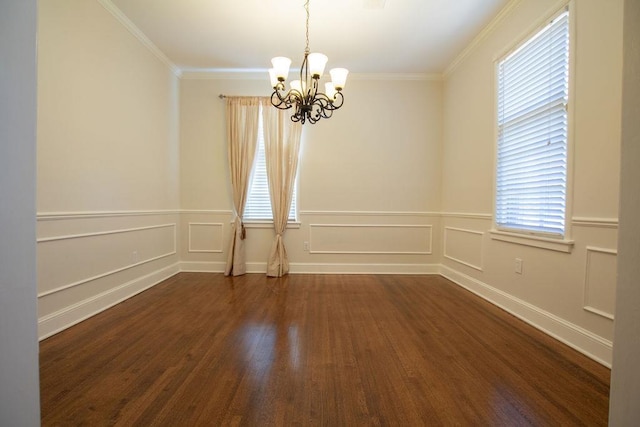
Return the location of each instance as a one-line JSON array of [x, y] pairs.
[[365, 36]]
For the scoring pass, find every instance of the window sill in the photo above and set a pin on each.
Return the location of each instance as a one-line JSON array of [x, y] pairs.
[[559, 245], [269, 224]]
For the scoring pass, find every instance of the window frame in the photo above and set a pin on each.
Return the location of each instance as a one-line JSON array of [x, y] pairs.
[[556, 242]]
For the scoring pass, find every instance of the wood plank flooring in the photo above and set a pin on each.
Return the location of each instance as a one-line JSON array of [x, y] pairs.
[[326, 350]]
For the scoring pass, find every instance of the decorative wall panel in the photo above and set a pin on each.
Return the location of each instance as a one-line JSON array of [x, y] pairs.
[[205, 237], [600, 281], [370, 239], [463, 246]]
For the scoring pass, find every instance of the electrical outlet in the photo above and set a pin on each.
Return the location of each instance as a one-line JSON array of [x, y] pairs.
[[518, 266], [306, 246]]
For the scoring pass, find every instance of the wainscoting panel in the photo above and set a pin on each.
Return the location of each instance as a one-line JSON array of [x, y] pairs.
[[600, 281], [463, 246], [205, 237], [71, 260], [368, 239]]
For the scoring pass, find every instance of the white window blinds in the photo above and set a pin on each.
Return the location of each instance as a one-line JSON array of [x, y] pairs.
[[258, 207], [532, 133]]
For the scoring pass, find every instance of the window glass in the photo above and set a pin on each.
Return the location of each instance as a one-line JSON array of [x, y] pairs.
[[258, 207], [531, 178]]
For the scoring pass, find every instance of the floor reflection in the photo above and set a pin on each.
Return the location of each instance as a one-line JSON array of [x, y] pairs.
[[265, 346], [258, 345]]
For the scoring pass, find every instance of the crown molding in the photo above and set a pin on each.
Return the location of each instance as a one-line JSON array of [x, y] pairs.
[[225, 74], [137, 33], [486, 31], [397, 76], [263, 74]]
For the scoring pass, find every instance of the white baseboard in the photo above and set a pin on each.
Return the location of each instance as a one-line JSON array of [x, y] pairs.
[[202, 267], [316, 268], [76, 313], [587, 343]]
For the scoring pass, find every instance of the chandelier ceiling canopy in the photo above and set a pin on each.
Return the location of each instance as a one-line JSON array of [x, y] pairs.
[[304, 96]]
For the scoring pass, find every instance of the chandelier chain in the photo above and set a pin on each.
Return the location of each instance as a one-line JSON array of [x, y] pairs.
[[306, 7]]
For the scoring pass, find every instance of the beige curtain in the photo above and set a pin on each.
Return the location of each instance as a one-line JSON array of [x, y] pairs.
[[282, 147], [242, 138]]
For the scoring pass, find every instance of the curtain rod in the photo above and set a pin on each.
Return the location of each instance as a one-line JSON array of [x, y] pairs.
[[223, 96]]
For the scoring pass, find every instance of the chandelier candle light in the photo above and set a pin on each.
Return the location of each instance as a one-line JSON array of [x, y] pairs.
[[303, 95]]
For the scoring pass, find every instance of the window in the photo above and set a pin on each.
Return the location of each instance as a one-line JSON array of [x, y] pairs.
[[258, 207], [531, 176]]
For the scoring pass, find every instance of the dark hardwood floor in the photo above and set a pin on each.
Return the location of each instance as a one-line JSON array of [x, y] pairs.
[[332, 350]]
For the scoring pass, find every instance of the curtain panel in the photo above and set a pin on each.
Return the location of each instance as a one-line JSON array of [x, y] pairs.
[[282, 148], [242, 135]]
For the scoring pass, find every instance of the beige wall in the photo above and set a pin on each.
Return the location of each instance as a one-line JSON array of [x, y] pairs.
[[370, 175], [106, 115], [108, 163], [570, 295]]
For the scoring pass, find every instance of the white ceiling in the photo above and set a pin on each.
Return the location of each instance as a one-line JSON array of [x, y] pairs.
[[365, 36]]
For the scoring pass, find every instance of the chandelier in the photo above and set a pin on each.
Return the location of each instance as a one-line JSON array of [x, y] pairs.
[[308, 102]]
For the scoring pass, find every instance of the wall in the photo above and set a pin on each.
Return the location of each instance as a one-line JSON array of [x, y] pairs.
[[369, 179], [108, 163], [569, 295], [19, 394], [625, 375]]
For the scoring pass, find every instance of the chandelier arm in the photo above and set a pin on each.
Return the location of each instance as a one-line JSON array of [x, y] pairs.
[[279, 102], [276, 93], [338, 104], [327, 103], [338, 100], [322, 114], [277, 98], [335, 103], [321, 108], [327, 112]]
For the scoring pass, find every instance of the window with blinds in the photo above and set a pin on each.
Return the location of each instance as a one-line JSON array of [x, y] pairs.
[[258, 207], [531, 178]]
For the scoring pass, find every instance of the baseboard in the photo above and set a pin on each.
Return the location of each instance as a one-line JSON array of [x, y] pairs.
[[317, 268], [587, 343], [202, 267], [76, 313]]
